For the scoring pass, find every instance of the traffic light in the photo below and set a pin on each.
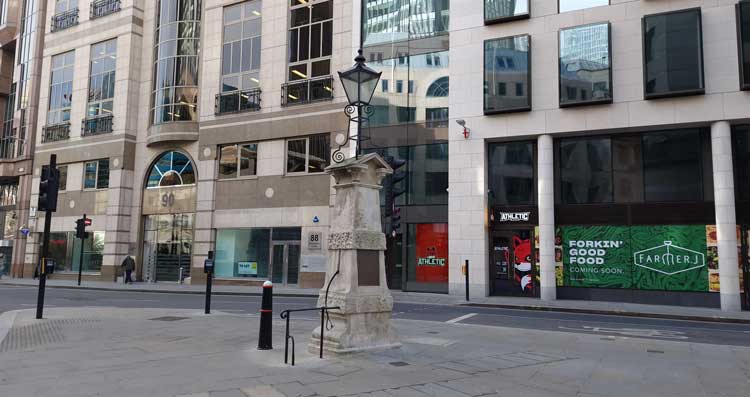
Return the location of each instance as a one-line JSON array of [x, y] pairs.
[[48, 187], [81, 227], [392, 192]]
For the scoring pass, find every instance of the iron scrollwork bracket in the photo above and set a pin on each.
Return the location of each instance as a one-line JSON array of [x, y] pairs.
[[358, 114]]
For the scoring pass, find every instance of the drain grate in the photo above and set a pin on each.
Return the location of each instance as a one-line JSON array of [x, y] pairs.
[[168, 318], [399, 363], [40, 333]]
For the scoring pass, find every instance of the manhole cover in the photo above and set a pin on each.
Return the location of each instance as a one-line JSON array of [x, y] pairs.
[[433, 332], [399, 363], [168, 318]]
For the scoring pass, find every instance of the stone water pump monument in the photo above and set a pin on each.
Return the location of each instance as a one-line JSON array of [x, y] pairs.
[[355, 276]]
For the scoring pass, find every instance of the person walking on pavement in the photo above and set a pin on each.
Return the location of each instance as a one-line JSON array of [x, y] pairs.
[[128, 265]]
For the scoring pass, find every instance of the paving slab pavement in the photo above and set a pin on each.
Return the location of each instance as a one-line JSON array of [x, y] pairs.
[[164, 352], [572, 306]]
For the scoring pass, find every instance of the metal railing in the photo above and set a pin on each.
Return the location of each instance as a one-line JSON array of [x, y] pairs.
[[100, 8], [237, 101], [64, 20], [57, 132], [97, 125], [286, 315], [307, 91]]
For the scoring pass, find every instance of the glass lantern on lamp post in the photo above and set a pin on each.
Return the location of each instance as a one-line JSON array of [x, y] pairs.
[[359, 83]]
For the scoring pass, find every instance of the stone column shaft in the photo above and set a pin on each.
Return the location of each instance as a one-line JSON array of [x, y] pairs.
[[726, 220], [546, 207]]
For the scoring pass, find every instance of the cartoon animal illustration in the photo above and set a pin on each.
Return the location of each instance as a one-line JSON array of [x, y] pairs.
[[522, 263]]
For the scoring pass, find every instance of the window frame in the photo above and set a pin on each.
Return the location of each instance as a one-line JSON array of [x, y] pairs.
[[238, 148], [307, 154], [672, 94], [559, 68], [309, 61], [98, 169], [101, 101], [744, 80], [488, 22], [61, 110], [609, 3], [526, 108], [240, 74]]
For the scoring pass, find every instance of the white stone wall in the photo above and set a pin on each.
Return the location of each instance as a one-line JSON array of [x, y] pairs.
[[467, 178]]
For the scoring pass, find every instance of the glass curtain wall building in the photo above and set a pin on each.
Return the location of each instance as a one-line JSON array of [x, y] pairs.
[[407, 40]]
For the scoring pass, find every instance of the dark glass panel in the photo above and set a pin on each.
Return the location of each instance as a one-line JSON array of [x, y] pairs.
[[428, 174], [673, 53], [743, 17], [248, 159], [511, 173], [319, 153], [296, 153], [586, 171], [672, 166]]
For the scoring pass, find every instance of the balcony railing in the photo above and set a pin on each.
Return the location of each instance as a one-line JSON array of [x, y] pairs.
[[307, 91], [237, 101], [56, 132], [64, 20], [96, 125], [100, 8]]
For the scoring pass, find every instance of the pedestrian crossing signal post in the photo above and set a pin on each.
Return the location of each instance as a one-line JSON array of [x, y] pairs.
[[83, 235], [49, 185]]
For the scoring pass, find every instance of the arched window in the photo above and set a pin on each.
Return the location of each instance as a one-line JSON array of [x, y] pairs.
[[438, 88], [171, 169]]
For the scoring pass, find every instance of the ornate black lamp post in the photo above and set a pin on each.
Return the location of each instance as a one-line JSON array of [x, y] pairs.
[[359, 83]]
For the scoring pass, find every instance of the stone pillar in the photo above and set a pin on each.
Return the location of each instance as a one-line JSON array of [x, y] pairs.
[[726, 222], [546, 192], [355, 276]]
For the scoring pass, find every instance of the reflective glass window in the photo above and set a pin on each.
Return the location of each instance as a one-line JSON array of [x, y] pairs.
[[672, 166], [238, 160], [387, 21], [66, 250], [673, 54], [102, 78], [176, 48], [96, 174], [171, 169], [586, 171], [572, 5], [743, 29], [61, 88], [502, 10], [507, 61], [585, 69], [241, 46], [512, 173], [741, 146], [308, 155], [420, 92], [428, 174]]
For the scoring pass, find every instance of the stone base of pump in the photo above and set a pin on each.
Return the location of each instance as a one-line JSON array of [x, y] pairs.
[[355, 333]]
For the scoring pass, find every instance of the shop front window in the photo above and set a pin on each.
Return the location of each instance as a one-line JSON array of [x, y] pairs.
[[427, 253], [65, 249], [243, 253], [672, 166], [428, 174]]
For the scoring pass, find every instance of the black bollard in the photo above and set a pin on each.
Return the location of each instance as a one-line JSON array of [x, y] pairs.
[[266, 313]]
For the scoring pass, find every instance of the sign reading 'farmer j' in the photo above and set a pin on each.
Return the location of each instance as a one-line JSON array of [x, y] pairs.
[[643, 257]]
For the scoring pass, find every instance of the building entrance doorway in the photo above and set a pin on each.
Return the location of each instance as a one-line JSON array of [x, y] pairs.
[[285, 258], [513, 263], [167, 246]]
